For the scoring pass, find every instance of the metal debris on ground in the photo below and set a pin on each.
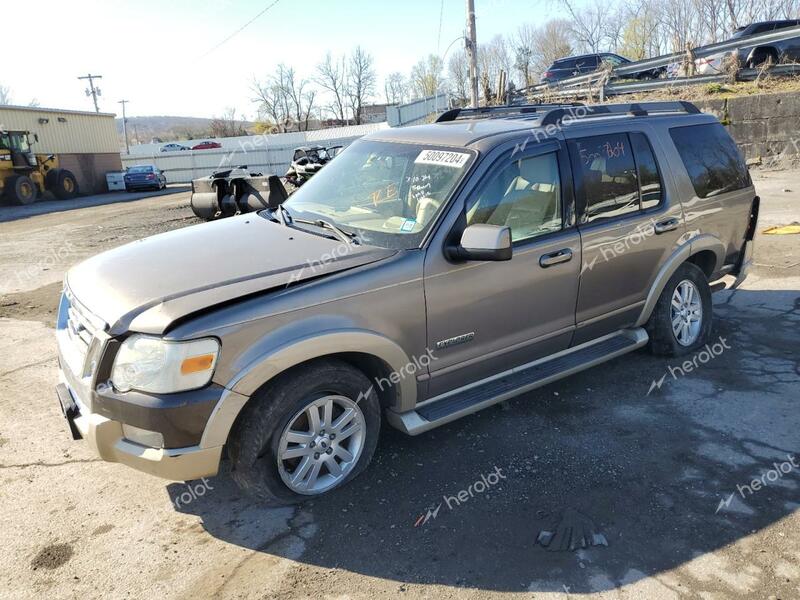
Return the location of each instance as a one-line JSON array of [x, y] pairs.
[[573, 532]]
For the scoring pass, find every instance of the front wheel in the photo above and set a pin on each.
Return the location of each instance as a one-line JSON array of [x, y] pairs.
[[21, 190], [681, 320], [311, 431]]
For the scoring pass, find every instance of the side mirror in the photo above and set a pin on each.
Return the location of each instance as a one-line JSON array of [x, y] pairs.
[[483, 242]]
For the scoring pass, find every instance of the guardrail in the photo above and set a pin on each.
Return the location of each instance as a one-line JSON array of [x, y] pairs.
[[572, 85]]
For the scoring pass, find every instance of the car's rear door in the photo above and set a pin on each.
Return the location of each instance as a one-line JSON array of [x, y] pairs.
[[487, 317], [630, 220]]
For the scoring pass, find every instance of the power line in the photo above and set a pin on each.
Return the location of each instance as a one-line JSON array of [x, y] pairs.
[[125, 126], [441, 18], [227, 39]]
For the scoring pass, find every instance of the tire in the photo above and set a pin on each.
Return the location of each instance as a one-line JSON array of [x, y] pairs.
[[768, 57], [663, 338], [62, 183], [260, 433], [21, 190]]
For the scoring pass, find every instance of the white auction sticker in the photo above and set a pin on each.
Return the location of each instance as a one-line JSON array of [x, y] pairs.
[[442, 158]]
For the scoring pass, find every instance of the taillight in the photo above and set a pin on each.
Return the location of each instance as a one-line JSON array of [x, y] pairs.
[[151, 176], [548, 73]]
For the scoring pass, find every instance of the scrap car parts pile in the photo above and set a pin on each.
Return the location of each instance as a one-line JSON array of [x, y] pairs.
[[235, 191], [307, 161]]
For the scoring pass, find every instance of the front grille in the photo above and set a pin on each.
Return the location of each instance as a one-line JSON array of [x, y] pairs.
[[80, 333]]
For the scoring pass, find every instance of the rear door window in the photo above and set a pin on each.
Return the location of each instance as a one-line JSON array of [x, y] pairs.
[[588, 63], [607, 173], [711, 158]]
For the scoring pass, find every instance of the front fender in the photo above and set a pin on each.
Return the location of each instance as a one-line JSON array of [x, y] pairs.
[[276, 361]]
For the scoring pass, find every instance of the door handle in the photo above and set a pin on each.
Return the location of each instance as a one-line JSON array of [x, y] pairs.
[[554, 258], [670, 224]]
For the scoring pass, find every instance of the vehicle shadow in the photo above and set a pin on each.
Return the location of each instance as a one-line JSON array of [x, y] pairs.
[[663, 472]]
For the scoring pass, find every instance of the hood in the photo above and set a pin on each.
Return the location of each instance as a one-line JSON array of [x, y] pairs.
[[146, 285]]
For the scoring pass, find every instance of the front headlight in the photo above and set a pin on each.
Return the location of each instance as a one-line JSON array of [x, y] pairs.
[[150, 364]]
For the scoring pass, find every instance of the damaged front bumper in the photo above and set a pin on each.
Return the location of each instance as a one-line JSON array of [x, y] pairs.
[[107, 439]]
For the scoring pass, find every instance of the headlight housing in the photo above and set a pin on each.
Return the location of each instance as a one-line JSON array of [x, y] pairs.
[[150, 364]]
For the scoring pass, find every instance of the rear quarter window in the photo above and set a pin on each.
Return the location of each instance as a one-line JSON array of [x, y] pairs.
[[711, 158]]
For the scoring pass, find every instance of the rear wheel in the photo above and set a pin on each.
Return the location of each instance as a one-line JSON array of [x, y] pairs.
[[62, 183], [21, 189], [309, 432], [681, 320], [767, 57]]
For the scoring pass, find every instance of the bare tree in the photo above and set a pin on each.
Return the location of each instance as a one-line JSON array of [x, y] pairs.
[[553, 41], [523, 42], [5, 95], [493, 57], [426, 76], [395, 88], [458, 75], [640, 37], [360, 81], [332, 77], [227, 125], [273, 100], [589, 23], [284, 99]]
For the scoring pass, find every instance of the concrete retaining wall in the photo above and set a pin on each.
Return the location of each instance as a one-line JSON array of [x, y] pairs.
[[766, 127]]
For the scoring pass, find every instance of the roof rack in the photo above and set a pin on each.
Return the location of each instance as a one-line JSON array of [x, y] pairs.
[[552, 114], [501, 111], [635, 109]]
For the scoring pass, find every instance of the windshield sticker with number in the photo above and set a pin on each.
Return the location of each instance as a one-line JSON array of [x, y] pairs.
[[442, 158]]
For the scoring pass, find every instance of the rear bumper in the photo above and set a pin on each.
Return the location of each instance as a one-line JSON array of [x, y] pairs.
[[745, 263], [105, 437]]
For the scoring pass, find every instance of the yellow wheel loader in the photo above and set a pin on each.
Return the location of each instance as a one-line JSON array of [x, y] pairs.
[[24, 176]]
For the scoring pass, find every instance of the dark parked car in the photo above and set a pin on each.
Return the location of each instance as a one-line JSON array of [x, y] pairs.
[[143, 177], [564, 68], [786, 50], [206, 145]]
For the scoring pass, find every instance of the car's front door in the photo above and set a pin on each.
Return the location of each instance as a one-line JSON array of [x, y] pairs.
[[487, 317]]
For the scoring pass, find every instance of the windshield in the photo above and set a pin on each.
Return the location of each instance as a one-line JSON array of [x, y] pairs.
[[19, 142], [387, 193], [140, 170]]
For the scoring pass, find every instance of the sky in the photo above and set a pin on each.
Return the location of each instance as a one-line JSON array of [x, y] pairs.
[[167, 57]]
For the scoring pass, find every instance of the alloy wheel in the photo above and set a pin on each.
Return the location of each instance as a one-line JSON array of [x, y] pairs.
[[321, 444]]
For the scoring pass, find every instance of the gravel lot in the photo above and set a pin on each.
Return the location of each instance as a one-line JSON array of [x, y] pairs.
[[655, 472]]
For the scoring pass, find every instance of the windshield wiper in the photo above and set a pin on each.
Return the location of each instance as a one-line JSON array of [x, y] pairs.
[[280, 213], [348, 238]]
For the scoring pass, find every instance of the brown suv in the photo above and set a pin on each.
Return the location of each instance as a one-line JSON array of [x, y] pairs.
[[426, 273]]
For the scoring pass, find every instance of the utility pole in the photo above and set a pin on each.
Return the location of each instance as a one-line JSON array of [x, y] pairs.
[[125, 126], [93, 91], [472, 53]]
